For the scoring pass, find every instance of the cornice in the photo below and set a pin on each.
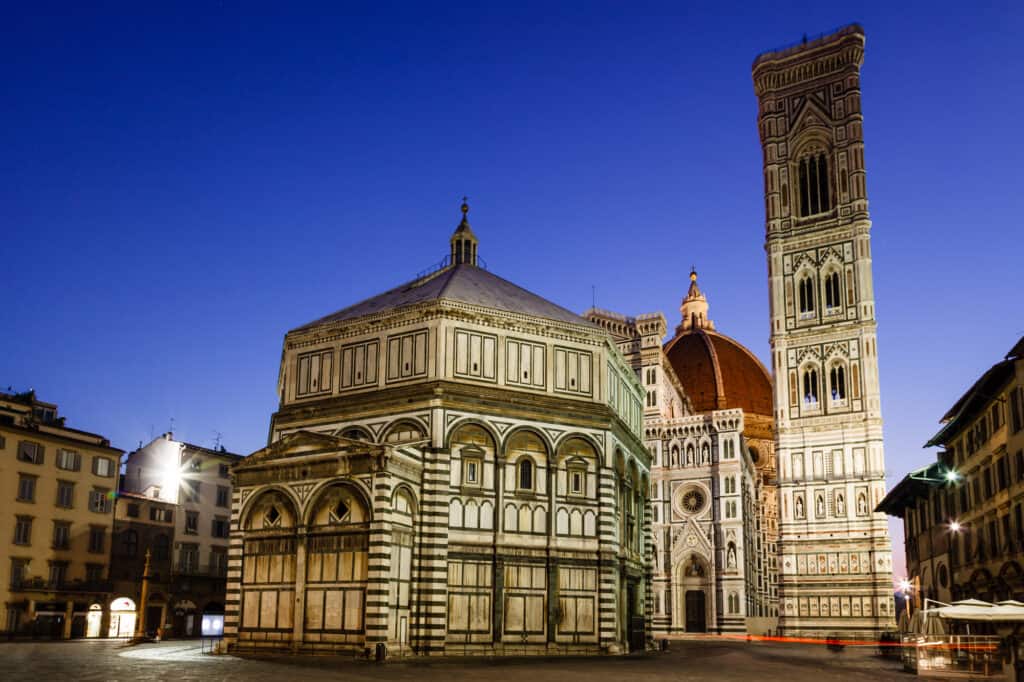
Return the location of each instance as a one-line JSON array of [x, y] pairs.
[[377, 323]]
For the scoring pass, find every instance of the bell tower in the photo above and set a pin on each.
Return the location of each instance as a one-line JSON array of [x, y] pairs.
[[834, 549]]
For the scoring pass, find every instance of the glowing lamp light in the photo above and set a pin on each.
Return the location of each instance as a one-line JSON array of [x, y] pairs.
[[905, 585], [952, 476], [955, 526]]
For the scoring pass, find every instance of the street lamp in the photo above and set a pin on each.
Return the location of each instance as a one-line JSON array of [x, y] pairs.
[[955, 526]]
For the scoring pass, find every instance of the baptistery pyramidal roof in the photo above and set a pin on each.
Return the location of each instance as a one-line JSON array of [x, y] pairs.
[[462, 280]]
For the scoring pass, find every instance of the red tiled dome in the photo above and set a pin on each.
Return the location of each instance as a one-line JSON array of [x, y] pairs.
[[718, 373]]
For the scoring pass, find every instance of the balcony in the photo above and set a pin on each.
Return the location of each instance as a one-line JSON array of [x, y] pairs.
[[213, 570], [41, 585]]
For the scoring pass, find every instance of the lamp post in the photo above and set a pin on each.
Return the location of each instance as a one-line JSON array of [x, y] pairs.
[[140, 619]]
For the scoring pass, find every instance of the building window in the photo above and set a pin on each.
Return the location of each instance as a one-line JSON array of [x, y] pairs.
[[68, 460], [837, 382], [195, 464], [191, 523], [576, 479], [161, 547], [26, 488], [832, 301], [188, 559], [19, 567], [61, 535], [813, 174], [223, 496], [161, 515], [94, 572], [811, 387], [471, 468], [129, 543], [102, 466], [23, 530], [58, 573], [218, 561], [30, 452], [997, 416], [806, 295], [221, 528], [99, 500], [191, 491], [1017, 409], [525, 477], [132, 510], [65, 494], [223, 471], [97, 539]]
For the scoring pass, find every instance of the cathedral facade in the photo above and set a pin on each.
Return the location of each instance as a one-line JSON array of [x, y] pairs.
[[708, 426], [457, 467], [835, 552]]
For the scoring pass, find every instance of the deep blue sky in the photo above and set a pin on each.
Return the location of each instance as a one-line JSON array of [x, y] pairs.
[[180, 185]]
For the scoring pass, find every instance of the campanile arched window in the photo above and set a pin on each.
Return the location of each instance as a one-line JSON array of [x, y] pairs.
[[811, 385], [837, 382], [832, 291], [806, 295], [813, 178]]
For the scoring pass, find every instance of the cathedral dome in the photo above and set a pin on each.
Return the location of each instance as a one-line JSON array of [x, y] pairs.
[[717, 372]]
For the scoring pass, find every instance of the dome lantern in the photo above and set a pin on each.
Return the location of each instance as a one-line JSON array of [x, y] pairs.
[[464, 242], [694, 308]]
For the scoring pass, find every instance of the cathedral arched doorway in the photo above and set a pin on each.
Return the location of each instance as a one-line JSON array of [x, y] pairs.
[[696, 611], [692, 601]]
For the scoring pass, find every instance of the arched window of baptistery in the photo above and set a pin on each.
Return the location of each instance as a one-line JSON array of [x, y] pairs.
[[405, 432], [339, 505], [473, 456], [577, 458], [528, 454], [271, 510], [357, 433]]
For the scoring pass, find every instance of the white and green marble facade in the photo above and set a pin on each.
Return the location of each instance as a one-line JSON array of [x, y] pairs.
[[417, 421]]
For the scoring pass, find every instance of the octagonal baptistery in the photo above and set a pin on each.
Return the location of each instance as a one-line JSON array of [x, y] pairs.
[[456, 467]]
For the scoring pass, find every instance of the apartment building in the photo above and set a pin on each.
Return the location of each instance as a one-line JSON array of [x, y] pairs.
[[56, 517], [963, 514], [143, 530], [198, 481]]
